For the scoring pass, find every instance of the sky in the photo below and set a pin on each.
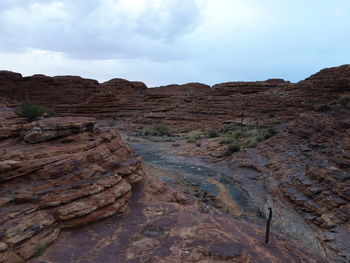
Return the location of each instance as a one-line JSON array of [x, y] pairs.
[[162, 42]]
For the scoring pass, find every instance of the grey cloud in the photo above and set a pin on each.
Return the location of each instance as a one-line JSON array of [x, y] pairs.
[[181, 17], [87, 29]]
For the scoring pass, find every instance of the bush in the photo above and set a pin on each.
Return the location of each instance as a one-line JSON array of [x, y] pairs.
[[230, 127], [236, 134], [251, 133], [251, 142], [248, 135], [343, 100], [195, 135], [228, 139], [31, 111], [157, 130], [232, 148], [212, 134]]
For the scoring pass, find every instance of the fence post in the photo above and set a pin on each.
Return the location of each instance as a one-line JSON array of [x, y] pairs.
[[268, 224]]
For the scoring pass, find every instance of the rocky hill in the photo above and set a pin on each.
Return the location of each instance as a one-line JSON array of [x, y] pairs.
[[182, 106]]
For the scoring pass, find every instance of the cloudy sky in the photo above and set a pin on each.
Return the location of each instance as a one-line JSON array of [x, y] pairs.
[[174, 41]]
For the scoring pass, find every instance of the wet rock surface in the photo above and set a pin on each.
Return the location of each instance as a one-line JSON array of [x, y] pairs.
[[301, 173]]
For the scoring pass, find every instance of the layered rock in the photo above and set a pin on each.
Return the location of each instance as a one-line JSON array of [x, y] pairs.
[[178, 105], [57, 173], [89, 173], [306, 166], [164, 226]]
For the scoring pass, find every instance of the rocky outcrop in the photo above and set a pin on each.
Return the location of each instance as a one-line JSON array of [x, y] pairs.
[[58, 173], [319, 188], [164, 226], [178, 105], [306, 166], [335, 79]]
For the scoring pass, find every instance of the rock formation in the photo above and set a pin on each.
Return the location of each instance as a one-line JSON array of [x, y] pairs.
[[58, 173], [311, 160], [64, 172], [177, 105], [164, 226]]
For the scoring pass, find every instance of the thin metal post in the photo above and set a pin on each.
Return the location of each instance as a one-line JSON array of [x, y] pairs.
[[268, 224]]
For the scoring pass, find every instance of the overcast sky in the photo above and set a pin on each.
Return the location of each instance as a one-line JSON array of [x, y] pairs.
[[174, 41]]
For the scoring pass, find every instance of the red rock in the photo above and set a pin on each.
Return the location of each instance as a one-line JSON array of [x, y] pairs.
[[187, 106], [159, 230], [65, 177], [70, 171]]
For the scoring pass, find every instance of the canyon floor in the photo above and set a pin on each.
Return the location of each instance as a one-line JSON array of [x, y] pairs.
[[232, 185]]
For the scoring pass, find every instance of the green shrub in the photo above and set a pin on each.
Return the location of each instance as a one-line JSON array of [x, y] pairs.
[[156, 130], [232, 148], [251, 142], [343, 100], [236, 134], [31, 111], [212, 133], [195, 135], [251, 133], [248, 135], [228, 139], [230, 127]]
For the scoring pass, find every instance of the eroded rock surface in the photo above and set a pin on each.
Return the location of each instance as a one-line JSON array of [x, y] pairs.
[[164, 226], [69, 174], [57, 173], [314, 174]]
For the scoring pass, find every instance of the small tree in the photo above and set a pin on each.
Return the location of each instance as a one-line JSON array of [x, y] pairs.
[[31, 111]]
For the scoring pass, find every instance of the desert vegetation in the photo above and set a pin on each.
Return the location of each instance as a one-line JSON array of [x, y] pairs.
[[232, 148], [195, 135], [156, 130], [245, 135], [32, 111], [211, 133], [235, 135]]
